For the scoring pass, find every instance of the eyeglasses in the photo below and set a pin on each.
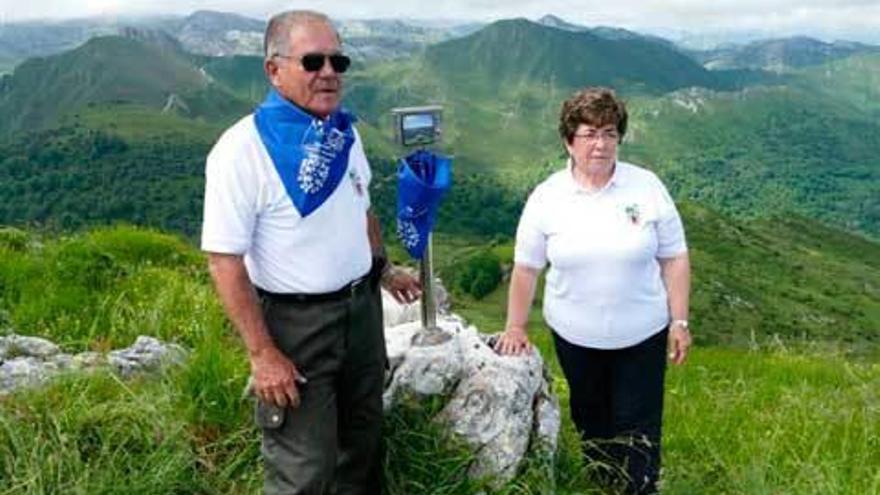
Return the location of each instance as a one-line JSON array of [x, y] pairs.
[[592, 136], [313, 62]]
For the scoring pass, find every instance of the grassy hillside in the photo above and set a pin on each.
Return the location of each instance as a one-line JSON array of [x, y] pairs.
[[109, 69], [804, 144], [764, 151], [108, 164], [513, 51], [807, 144], [767, 420], [853, 82], [785, 279]]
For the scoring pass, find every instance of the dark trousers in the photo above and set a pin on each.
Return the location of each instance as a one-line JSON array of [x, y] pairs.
[[616, 399], [331, 443]]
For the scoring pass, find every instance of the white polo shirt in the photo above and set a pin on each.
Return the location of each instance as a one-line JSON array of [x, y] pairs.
[[248, 211], [603, 289]]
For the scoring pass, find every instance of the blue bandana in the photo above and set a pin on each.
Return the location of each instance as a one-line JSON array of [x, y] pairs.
[[422, 180], [310, 155]]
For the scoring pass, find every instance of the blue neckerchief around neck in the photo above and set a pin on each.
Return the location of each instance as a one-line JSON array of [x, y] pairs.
[[309, 154]]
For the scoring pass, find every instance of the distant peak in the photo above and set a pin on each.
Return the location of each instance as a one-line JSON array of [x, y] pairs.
[[212, 13], [155, 37], [553, 21], [224, 20], [550, 19]]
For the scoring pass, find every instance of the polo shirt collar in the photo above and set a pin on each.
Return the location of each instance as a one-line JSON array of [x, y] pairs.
[[617, 178]]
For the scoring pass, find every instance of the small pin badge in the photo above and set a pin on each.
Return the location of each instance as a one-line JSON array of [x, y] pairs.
[[633, 213], [358, 187]]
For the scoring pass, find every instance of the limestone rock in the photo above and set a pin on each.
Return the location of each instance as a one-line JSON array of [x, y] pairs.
[[62, 362], [146, 354], [423, 370], [492, 407], [89, 360], [499, 405], [30, 361], [394, 313], [23, 345], [548, 421], [21, 372]]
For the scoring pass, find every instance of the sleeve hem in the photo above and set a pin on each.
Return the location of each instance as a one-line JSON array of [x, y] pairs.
[[672, 253], [224, 247], [529, 263]]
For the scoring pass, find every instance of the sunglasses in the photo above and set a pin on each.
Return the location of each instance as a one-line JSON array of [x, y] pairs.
[[313, 62]]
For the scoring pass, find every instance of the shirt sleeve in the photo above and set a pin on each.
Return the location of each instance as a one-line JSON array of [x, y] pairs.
[[670, 230], [531, 240], [231, 191]]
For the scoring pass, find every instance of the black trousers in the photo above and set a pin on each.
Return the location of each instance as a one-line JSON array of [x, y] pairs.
[[616, 400], [331, 443]]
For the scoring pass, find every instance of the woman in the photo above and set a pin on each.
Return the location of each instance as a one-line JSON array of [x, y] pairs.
[[616, 294]]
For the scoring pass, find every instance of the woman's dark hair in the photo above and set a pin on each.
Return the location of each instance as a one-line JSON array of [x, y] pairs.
[[594, 106]]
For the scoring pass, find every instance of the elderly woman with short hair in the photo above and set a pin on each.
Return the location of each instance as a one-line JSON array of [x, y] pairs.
[[616, 292]]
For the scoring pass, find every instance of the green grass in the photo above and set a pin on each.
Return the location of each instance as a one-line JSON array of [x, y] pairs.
[[140, 123], [772, 422], [773, 418]]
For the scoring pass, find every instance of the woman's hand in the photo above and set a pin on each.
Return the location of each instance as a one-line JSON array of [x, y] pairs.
[[679, 342], [513, 341]]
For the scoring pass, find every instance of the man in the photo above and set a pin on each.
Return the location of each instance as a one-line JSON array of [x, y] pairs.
[[291, 243]]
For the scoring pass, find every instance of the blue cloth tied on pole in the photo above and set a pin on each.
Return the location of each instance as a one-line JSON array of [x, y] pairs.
[[309, 154], [423, 178]]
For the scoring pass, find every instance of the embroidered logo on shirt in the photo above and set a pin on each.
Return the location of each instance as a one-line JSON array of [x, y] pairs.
[[356, 181], [633, 213]]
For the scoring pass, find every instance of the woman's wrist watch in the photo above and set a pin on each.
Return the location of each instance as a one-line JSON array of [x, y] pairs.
[[679, 323]]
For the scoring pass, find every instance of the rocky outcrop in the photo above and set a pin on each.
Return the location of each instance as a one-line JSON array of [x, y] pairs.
[[30, 361], [395, 314], [499, 405]]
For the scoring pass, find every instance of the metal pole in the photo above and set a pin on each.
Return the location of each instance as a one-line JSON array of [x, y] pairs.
[[426, 276], [430, 334]]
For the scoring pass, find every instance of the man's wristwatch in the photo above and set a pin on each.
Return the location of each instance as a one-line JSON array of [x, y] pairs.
[[679, 323]]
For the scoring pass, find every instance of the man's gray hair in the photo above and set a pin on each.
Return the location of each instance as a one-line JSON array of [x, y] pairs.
[[277, 39]]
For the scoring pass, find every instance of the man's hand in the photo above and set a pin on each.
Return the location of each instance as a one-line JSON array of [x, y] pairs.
[[275, 378], [403, 287], [513, 341], [679, 343]]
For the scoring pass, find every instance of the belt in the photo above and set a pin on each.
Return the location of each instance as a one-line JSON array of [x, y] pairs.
[[346, 292]]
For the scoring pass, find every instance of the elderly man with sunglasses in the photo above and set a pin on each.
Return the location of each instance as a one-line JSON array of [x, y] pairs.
[[296, 257]]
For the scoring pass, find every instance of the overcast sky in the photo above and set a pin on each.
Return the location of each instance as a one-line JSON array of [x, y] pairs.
[[828, 19]]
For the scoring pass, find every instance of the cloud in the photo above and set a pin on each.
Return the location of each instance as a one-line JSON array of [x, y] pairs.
[[785, 17]]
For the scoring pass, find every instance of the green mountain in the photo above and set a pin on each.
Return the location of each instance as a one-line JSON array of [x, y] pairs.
[[513, 51], [107, 164], [765, 151], [111, 69], [241, 74], [805, 144], [608, 32], [786, 309], [22, 40], [781, 54]]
